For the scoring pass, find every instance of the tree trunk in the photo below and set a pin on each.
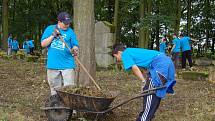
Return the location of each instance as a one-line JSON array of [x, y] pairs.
[[14, 10], [148, 32], [188, 17], [207, 6], [157, 35], [157, 12], [178, 17], [85, 29], [5, 24], [152, 40], [116, 30], [142, 42]]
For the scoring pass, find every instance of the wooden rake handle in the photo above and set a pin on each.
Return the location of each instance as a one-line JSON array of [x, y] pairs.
[[82, 66]]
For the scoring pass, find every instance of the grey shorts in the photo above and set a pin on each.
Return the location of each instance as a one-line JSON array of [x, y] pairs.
[[59, 78]]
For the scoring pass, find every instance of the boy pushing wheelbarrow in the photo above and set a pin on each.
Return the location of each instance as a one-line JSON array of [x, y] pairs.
[[161, 73]]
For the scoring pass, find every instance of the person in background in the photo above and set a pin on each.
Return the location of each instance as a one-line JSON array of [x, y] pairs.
[[25, 46], [161, 73], [60, 61], [9, 44], [185, 43], [162, 47], [15, 45], [31, 46], [175, 51]]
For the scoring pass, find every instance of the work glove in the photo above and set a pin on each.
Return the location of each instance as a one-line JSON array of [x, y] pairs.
[[56, 32], [75, 50]]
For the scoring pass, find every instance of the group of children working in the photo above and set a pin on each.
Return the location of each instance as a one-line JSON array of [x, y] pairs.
[[181, 44], [13, 45]]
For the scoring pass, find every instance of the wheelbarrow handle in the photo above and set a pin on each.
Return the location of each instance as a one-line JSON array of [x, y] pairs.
[[144, 93], [153, 89]]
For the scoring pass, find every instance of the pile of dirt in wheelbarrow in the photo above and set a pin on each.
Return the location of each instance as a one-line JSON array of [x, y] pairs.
[[87, 91]]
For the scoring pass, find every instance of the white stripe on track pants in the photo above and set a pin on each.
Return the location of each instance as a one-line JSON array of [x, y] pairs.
[[150, 105]]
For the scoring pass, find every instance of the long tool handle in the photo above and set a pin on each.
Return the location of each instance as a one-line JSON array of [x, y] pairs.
[[144, 93], [82, 66]]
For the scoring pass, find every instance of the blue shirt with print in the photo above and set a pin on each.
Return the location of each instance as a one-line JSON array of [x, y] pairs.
[[15, 45], [59, 56], [185, 43], [177, 44], [162, 47]]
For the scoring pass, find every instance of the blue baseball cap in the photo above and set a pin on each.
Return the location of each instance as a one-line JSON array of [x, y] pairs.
[[64, 17]]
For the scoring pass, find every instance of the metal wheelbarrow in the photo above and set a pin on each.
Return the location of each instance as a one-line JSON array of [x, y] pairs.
[[60, 107]]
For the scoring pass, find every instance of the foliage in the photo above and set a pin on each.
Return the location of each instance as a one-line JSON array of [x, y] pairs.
[[30, 17]]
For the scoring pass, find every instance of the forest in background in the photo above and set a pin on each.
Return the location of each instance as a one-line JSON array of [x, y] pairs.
[[135, 22]]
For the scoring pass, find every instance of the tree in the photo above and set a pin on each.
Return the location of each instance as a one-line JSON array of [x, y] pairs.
[[84, 27], [178, 17], [115, 22], [5, 24], [189, 16], [145, 9], [207, 10]]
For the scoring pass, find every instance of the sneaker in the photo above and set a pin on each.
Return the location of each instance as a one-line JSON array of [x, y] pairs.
[[191, 68], [183, 69]]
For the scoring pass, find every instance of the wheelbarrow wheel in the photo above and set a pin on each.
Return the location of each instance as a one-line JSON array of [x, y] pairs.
[[57, 114]]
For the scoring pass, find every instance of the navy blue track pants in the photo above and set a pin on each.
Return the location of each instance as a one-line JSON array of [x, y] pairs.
[[150, 105]]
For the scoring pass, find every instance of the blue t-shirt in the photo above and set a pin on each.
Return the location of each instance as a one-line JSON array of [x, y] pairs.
[[138, 56], [15, 45], [9, 41], [26, 47], [185, 43], [30, 43], [154, 61], [162, 47], [177, 44], [59, 57]]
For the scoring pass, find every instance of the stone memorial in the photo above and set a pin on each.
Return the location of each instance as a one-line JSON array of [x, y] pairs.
[[103, 42]]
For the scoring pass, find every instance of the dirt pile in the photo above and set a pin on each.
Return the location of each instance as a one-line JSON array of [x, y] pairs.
[[86, 91]]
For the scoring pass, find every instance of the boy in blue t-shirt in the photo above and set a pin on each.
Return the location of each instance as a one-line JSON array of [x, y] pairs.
[[31, 46], [9, 44], [162, 47], [161, 73], [60, 62], [25, 46], [15, 45], [185, 43], [175, 50]]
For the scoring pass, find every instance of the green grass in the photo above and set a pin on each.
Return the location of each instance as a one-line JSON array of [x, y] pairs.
[[189, 75]]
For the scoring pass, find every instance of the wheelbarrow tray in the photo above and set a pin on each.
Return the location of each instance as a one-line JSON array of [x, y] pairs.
[[85, 103]]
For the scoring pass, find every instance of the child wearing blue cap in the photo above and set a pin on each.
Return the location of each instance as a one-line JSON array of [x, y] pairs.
[[161, 73], [60, 62]]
